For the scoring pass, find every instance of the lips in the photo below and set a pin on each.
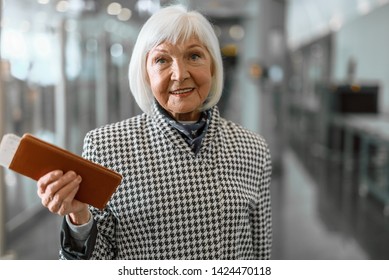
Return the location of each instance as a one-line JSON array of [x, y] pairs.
[[182, 91]]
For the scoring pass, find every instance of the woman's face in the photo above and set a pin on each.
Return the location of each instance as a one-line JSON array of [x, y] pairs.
[[180, 77]]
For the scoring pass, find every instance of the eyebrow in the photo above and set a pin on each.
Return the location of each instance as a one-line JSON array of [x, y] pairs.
[[189, 47], [158, 50], [195, 46]]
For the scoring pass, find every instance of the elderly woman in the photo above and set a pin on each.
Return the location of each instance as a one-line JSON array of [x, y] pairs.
[[195, 186]]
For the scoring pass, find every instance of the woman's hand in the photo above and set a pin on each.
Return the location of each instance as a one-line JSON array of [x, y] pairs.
[[57, 191]]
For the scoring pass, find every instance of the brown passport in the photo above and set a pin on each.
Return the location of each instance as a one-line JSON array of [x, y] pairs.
[[34, 158]]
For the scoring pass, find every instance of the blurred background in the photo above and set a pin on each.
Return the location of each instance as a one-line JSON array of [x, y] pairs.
[[312, 77]]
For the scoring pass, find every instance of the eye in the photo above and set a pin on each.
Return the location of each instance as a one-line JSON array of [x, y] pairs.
[[194, 56], [160, 60]]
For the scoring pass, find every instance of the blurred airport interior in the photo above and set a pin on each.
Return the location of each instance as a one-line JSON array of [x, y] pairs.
[[312, 77]]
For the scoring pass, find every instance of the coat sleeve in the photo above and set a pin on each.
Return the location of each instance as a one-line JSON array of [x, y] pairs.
[[261, 217], [101, 242]]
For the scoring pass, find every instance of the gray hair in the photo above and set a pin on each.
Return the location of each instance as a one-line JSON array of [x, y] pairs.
[[172, 24]]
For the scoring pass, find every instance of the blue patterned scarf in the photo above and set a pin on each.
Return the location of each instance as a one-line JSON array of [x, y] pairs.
[[193, 133]]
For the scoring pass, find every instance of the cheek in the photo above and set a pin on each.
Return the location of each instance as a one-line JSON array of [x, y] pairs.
[[205, 77], [155, 80], [159, 85], [154, 77]]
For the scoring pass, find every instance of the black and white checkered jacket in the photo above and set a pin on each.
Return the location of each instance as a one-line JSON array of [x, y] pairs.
[[173, 204]]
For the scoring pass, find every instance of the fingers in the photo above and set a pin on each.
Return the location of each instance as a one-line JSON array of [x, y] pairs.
[[57, 190], [63, 199], [54, 186], [47, 179]]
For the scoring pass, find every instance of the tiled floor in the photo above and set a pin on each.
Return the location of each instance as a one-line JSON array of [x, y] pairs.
[[317, 214]]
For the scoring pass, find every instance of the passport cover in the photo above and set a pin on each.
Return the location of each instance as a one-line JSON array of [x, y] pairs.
[[35, 158]]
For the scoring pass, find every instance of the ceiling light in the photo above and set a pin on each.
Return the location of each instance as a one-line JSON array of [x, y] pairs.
[[145, 7], [236, 32], [116, 50], [114, 9], [125, 14], [62, 6]]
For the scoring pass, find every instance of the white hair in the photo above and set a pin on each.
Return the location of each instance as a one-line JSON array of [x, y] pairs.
[[172, 24]]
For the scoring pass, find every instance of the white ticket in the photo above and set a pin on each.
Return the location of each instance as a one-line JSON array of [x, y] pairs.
[[8, 146]]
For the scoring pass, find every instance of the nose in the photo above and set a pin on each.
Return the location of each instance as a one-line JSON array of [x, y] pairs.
[[179, 71]]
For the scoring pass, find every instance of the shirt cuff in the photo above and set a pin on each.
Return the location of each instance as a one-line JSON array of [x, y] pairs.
[[80, 232]]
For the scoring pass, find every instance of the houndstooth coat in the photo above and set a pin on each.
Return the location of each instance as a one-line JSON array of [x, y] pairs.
[[174, 204]]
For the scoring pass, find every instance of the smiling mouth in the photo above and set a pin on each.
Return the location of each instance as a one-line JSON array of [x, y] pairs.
[[182, 91]]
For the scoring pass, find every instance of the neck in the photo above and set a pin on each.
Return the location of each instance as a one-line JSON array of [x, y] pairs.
[[186, 117]]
